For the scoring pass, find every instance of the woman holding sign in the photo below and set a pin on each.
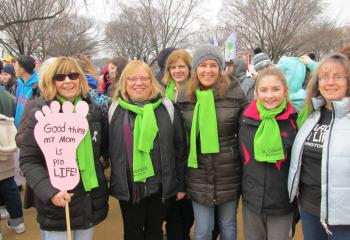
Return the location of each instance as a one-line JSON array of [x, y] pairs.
[[64, 152], [147, 153], [211, 112]]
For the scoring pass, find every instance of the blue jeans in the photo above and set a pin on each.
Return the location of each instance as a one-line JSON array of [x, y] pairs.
[[313, 229], [12, 200], [204, 221], [85, 234]]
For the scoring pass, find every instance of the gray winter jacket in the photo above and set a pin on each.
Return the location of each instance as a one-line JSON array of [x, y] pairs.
[[335, 166], [240, 73]]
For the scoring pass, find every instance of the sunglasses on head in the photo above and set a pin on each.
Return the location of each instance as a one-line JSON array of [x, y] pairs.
[[59, 77]]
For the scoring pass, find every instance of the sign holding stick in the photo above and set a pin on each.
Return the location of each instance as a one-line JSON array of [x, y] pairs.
[[58, 135]]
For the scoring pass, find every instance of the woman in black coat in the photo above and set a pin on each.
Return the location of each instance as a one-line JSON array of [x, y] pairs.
[[64, 80]]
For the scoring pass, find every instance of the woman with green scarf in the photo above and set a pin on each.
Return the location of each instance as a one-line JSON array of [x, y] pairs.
[[177, 73], [179, 218], [267, 131], [211, 112], [64, 80], [147, 152]]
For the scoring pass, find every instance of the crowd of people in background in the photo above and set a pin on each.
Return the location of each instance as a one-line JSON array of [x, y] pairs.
[[185, 145]]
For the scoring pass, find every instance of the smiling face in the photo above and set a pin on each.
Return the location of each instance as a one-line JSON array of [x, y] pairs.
[[138, 84], [179, 71], [271, 91], [68, 88], [208, 73], [333, 82]]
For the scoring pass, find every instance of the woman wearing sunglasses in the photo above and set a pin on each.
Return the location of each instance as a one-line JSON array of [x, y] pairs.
[[147, 153], [63, 81]]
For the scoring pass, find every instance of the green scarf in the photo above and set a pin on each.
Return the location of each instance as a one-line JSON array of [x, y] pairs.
[[303, 115], [85, 156], [268, 145], [170, 89], [145, 131], [204, 122]]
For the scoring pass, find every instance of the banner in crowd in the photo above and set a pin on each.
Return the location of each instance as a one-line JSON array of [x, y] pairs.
[[230, 47]]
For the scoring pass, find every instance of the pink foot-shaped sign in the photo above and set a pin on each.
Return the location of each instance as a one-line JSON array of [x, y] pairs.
[[58, 135]]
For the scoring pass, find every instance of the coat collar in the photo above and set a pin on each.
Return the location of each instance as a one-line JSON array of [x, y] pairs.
[[252, 112]]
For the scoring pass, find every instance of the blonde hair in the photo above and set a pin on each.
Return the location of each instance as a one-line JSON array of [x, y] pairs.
[[272, 71], [173, 57], [313, 85], [121, 90], [62, 65], [220, 87]]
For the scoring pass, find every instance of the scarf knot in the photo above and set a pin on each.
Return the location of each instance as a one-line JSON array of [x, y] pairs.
[[144, 133], [268, 145]]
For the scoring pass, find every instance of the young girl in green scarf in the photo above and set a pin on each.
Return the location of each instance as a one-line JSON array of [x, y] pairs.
[[267, 131]]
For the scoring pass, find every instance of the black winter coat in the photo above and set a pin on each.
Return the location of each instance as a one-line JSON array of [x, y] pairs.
[[86, 208], [217, 179], [264, 185], [168, 155]]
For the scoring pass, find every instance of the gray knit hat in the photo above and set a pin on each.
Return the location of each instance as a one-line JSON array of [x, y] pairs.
[[205, 52], [261, 60]]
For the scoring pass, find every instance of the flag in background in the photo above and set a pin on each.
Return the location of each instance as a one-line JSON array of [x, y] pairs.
[[230, 47], [213, 40]]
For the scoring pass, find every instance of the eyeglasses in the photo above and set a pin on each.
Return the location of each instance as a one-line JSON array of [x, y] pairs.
[[134, 79], [60, 77], [326, 78]]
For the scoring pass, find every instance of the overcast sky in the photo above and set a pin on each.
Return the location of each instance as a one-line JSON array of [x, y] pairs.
[[335, 9]]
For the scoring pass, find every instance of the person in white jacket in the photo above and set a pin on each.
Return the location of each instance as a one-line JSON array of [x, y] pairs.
[[319, 172]]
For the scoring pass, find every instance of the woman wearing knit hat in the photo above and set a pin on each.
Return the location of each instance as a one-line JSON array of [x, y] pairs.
[[211, 112], [8, 79]]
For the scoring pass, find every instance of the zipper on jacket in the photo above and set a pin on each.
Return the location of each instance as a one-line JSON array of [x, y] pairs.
[[300, 159], [161, 165], [325, 222]]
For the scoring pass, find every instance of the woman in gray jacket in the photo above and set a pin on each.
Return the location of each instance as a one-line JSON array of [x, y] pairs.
[[319, 169]]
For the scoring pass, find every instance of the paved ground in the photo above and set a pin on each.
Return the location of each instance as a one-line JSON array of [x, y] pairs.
[[111, 228]]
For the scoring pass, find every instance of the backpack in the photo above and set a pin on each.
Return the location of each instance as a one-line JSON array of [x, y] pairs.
[[8, 132]]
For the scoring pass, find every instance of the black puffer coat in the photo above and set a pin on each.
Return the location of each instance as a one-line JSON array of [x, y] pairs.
[[86, 208], [218, 177]]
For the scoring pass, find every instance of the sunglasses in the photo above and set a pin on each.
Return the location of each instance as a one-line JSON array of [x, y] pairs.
[[60, 76]]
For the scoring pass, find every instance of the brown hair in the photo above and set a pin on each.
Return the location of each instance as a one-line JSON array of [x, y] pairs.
[[120, 63], [272, 71], [62, 65], [86, 65], [173, 57], [346, 51], [121, 86], [313, 85]]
